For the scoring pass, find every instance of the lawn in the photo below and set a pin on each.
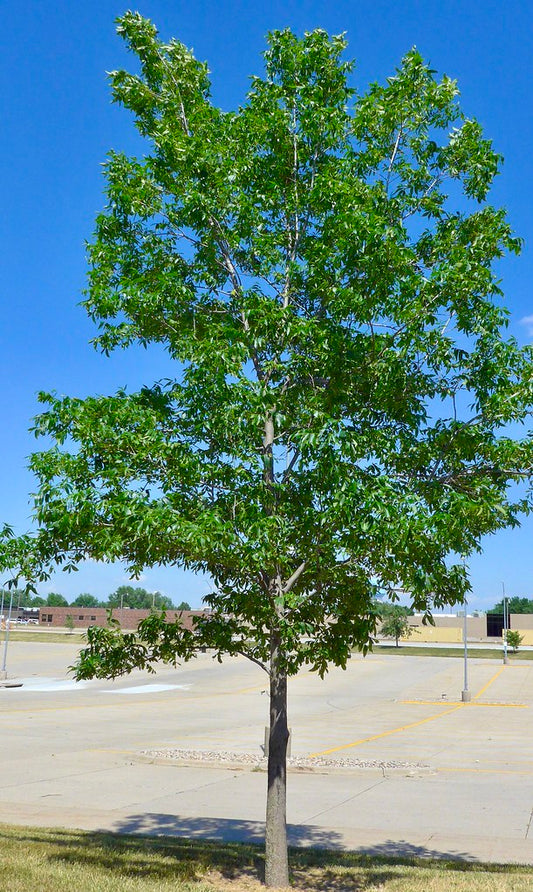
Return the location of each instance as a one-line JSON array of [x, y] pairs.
[[46, 637], [66, 860], [474, 653]]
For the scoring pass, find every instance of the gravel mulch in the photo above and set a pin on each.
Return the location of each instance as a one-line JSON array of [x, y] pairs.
[[257, 761]]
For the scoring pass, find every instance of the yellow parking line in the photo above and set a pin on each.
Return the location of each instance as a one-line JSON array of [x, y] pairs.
[[455, 706], [490, 681], [346, 746], [459, 703], [485, 770]]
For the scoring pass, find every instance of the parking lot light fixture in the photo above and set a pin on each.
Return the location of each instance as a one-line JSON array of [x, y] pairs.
[[505, 625], [3, 671], [466, 695]]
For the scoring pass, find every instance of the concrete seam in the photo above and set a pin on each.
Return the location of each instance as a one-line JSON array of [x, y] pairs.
[[344, 801]]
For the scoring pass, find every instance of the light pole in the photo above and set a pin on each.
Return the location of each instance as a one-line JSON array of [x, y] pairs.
[[466, 696], [6, 640], [505, 626]]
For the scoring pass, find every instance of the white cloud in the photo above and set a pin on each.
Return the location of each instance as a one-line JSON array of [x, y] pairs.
[[527, 321]]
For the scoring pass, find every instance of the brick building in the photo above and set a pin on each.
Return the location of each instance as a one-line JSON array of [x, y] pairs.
[[129, 618]]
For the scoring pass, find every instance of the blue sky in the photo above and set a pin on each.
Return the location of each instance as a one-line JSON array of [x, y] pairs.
[[58, 125]]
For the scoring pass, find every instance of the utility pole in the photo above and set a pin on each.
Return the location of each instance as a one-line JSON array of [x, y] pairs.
[[505, 626], [3, 672], [466, 696]]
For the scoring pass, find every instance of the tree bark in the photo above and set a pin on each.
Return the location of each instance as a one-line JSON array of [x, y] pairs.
[[277, 864]]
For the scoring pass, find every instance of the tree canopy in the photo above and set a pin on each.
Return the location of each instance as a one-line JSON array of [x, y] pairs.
[[86, 600], [395, 625], [56, 600], [515, 604], [15, 596], [139, 598], [125, 596], [386, 608], [320, 266]]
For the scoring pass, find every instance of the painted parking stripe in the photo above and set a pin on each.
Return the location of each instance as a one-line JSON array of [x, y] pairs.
[[347, 746]]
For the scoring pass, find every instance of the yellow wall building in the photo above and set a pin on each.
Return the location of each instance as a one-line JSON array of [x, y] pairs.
[[448, 628]]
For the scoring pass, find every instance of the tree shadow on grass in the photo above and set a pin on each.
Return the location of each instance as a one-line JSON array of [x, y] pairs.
[[162, 847], [372, 867], [167, 847], [140, 857]]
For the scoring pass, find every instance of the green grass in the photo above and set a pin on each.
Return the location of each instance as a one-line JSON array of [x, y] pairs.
[[474, 653], [37, 635], [65, 860]]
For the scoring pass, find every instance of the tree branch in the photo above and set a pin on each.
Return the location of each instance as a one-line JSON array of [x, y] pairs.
[[294, 578], [242, 653], [290, 467], [393, 156]]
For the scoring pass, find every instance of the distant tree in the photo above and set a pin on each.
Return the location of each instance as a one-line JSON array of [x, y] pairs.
[[69, 622], [163, 602], [55, 600], [396, 625], [514, 639], [86, 600], [17, 597], [130, 596], [138, 598], [22, 598], [37, 601], [514, 605], [183, 605], [384, 608]]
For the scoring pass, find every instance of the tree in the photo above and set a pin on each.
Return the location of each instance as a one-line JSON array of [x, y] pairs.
[[319, 265], [385, 608], [138, 598], [69, 623], [18, 597], [514, 639], [514, 605], [396, 625], [183, 605], [86, 600], [55, 600]]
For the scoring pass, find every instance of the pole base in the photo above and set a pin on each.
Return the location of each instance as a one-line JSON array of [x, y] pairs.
[[466, 696], [506, 661]]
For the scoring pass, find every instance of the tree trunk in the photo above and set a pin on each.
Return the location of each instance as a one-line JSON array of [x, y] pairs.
[[277, 864]]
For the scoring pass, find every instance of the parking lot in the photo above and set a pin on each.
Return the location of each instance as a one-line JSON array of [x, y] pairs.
[[439, 776]]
